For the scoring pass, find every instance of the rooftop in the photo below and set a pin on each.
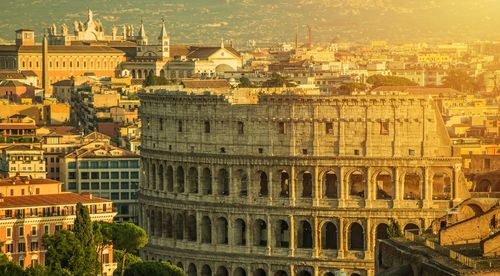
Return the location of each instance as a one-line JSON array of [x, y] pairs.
[[50, 200]]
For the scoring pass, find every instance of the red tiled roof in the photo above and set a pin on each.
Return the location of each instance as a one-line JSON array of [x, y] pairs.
[[16, 126], [70, 49], [25, 180], [50, 200]]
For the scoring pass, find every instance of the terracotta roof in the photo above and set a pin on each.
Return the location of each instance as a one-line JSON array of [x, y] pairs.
[[205, 84], [63, 83], [50, 200], [21, 147], [25, 180], [4, 75], [29, 73], [63, 130], [13, 83], [179, 50], [70, 49], [17, 126]]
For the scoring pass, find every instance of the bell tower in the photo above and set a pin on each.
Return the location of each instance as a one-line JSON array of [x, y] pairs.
[[164, 41]]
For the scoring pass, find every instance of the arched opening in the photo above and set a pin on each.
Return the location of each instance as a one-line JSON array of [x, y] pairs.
[[180, 179], [239, 272], [162, 73], [282, 234], [305, 235], [153, 177], [159, 224], [381, 231], [280, 273], [412, 187], [222, 271], [357, 185], [411, 227], [179, 265], [191, 227], [133, 73], [357, 274], [206, 230], [170, 179], [152, 222], [221, 226], [242, 180], [193, 180], [223, 182], [329, 274], [168, 225], [206, 181], [260, 233], [179, 230], [191, 271], [139, 74], [329, 236], [160, 177], [441, 186], [284, 184], [307, 184], [263, 183], [330, 185], [304, 273], [240, 232], [469, 211], [206, 270], [356, 237], [384, 185], [259, 272], [483, 186]]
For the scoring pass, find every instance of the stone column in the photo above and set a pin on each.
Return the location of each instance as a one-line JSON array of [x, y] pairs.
[[292, 187], [233, 190], [343, 188], [370, 239], [316, 241], [269, 234], [317, 189], [398, 188], [370, 187], [292, 236], [251, 190], [342, 239], [270, 186], [427, 188]]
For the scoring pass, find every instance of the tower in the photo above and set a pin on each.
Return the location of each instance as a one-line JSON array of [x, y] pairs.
[[25, 37], [164, 41], [45, 66], [142, 39]]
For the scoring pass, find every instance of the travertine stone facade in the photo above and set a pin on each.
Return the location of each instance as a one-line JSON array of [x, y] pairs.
[[289, 185]]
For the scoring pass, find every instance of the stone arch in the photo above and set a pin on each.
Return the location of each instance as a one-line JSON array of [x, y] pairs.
[[384, 185], [329, 236], [170, 179], [168, 225], [206, 181], [304, 273], [193, 180], [263, 183], [223, 182], [381, 232], [412, 186], [240, 232], [306, 181], [328, 274], [441, 186], [280, 273], [180, 179], [411, 227], [153, 176], [239, 271], [483, 186], [160, 177], [221, 230], [282, 234], [242, 181], [159, 224], [304, 235], [222, 271], [162, 73], [259, 272], [139, 74], [260, 232], [191, 271], [206, 270], [179, 229], [356, 237], [284, 183], [468, 211], [191, 228], [356, 184], [133, 73], [330, 184], [206, 230]]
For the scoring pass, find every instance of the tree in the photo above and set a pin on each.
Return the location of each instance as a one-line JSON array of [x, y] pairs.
[[381, 80], [130, 260], [394, 230], [129, 238], [460, 80], [103, 235], [85, 235], [11, 269], [154, 269], [278, 80], [348, 88], [64, 254], [151, 80], [246, 83]]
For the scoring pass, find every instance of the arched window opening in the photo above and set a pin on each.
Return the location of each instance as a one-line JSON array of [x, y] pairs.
[[304, 273], [168, 225], [331, 185], [282, 234], [284, 184], [412, 189], [357, 185], [307, 184], [193, 180], [159, 224], [160, 177], [221, 226], [305, 237], [259, 272], [223, 182], [206, 181], [179, 265], [191, 228], [240, 232], [384, 185], [153, 177], [263, 184], [329, 236], [410, 227], [222, 271], [356, 237], [381, 231], [152, 222], [206, 230], [280, 273], [260, 233], [191, 271], [170, 179], [441, 186], [206, 270], [180, 179], [179, 230], [239, 272], [242, 179]]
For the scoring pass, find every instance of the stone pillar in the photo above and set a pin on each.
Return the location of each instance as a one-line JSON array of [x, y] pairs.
[[370, 187], [317, 189], [292, 188], [370, 239], [292, 236], [398, 188], [427, 188], [342, 239], [269, 235], [315, 233], [270, 185], [251, 189], [198, 228], [233, 190], [343, 188]]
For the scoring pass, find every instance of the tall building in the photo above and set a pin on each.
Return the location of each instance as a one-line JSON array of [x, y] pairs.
[[23, 160], [289, 184], [30, 208]]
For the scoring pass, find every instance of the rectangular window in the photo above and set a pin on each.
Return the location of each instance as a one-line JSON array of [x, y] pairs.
[[134, 185], [72, 165], [105, 186], [384, 128], [179, 126], [134, 175], [124, 164], [134, 164], [104, 165], [95, 185], [241, 128], [9, 232], [124, 185], [59, 227], [85, 185], [124, 175], [95, 175], [161, 124], [34, 246], [21, 231], [113, 164], [329, 128], [94, 165], [115, 185], [115, 196], [21, 247], [84, 175], [125, 196], [46, 229], [33, 230], [281, 127], [105, 175], [72, 185], [487, 164], [207, 126], [115, 175], [10, 248], [72, 175], [84, 165], [133, 195]]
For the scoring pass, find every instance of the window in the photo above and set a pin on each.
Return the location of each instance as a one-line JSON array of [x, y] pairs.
[[161, 124], [125, 196], [72, 175], [329, 128], [125, 185], [115, 196], [9, 232], [179, 126], [85, 186], [207, 126], [84, 175], [104, 175], [104, 165], [21, 231], [411, 152], [114, 164], [84, 165], [134, 185], [95, 185], [134, 164], [94, 165], [10, 248], [384, 128], [115, 175], [33, 230], [222, 150], [37, 191], [34, 246], [21, 247], [241, 128], [72, 185], [134, 175], [124, 164], [115, 185], [94, 175], [46, 229], [356, 152], [124, 175], [304, 151], [281, 128], [105, 186], [72, 165], [59, 227]]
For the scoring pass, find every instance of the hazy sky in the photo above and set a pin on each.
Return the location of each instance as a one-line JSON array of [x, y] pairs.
[[271, 20]]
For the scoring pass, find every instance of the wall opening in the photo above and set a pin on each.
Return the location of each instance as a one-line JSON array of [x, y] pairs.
[[263, 184], [331, 185], [282, 234], [412, 189], [206, 230], [240, 232], [384, 185], [180, 179], [170, 179], [284, 184], [356, 237], [191, 228], [441, 186], [381, 232], [223, 182], [206, 181], [357, 185], [179, 230], [307, 184], [329, 236], [193, 180], [305, 235], [221, 226], [260, 233]]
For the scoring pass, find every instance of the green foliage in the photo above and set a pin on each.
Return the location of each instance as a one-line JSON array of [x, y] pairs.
[[11, 269], [151, 80], [350, 87], [38, 270], [84, 233], [130, 260], [380, 80], [245, 83], [128, 237], [461, 81], [153, 269], [394, 230], [64, 253], [278, 80]]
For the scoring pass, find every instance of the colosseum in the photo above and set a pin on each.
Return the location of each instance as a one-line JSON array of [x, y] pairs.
[[287, 184]]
